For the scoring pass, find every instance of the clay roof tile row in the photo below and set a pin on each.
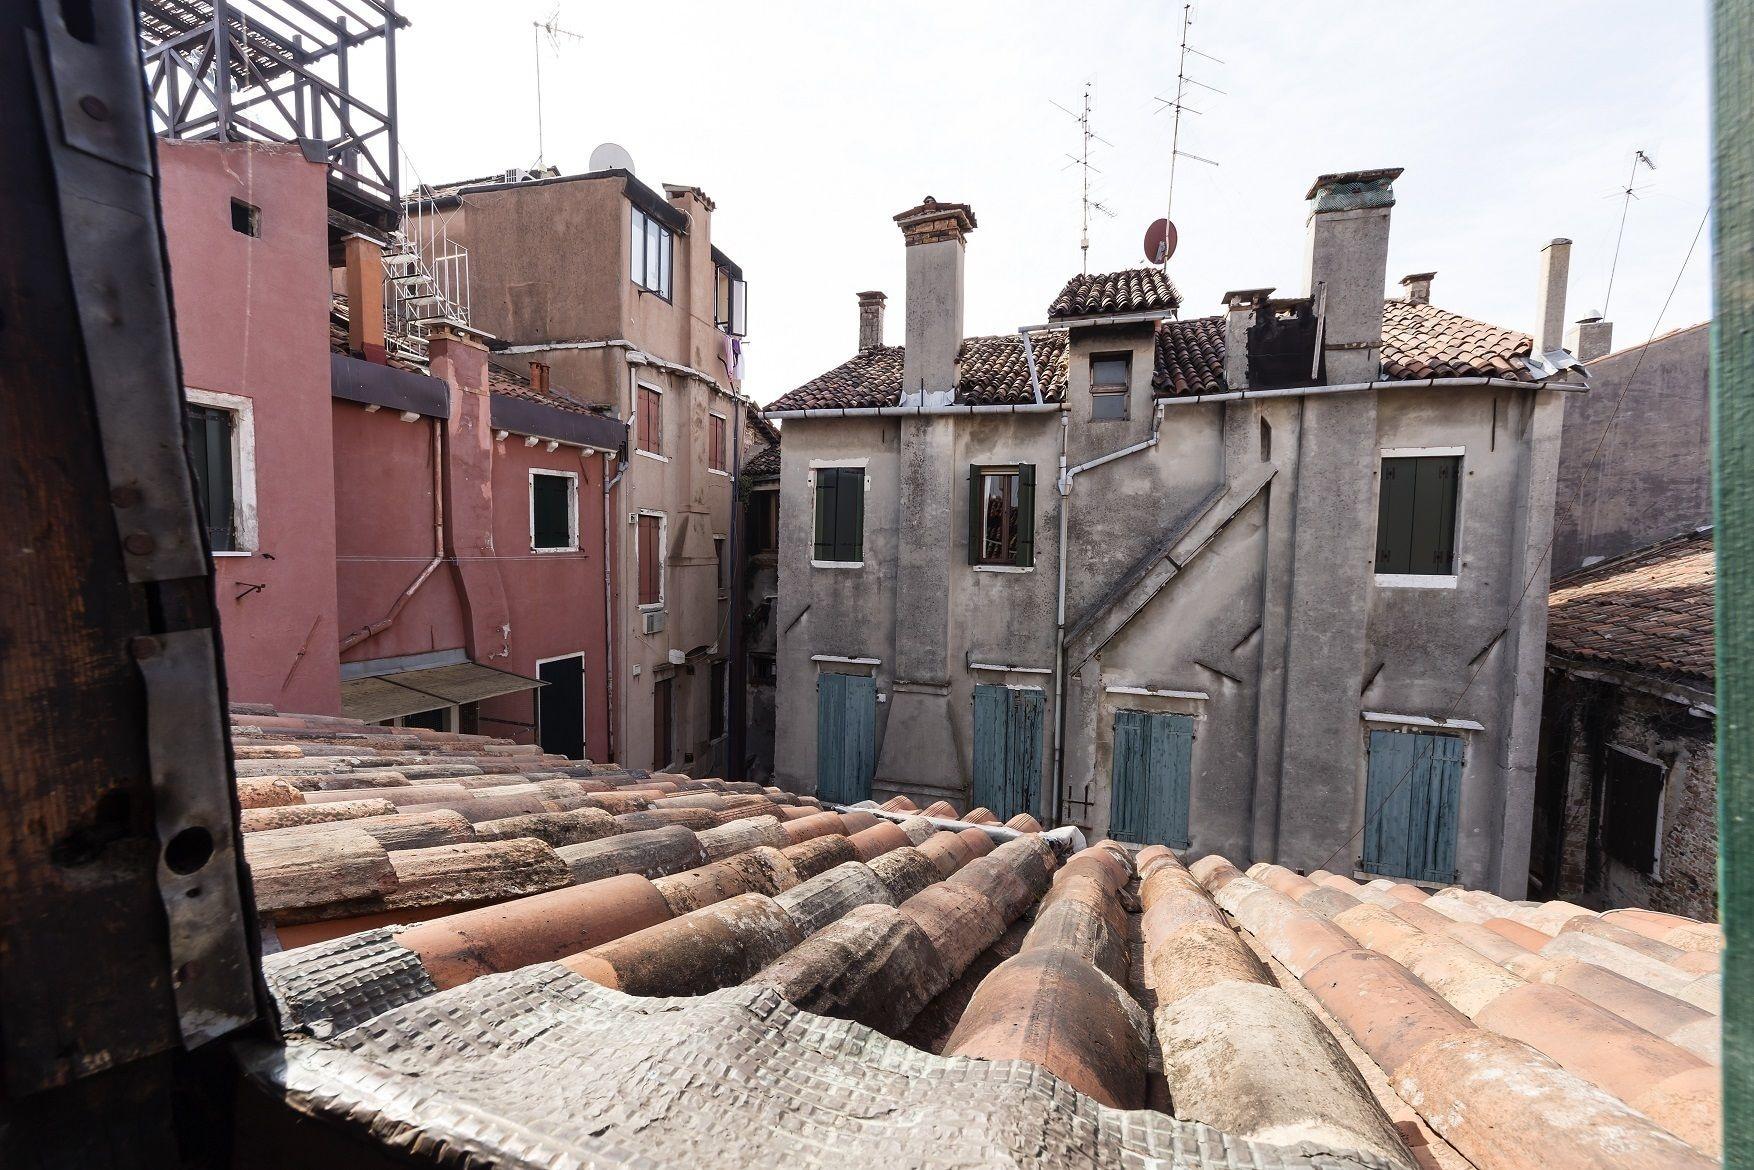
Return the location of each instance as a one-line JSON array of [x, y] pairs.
[[1649, 611]]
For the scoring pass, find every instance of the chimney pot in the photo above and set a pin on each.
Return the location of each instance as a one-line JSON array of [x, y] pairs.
[[1418, 286], [871, 320], [539, 376], [364, 260], [1591, 338]]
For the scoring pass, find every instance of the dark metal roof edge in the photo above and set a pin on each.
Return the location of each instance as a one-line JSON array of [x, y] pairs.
[[371, 384], [598, 431]]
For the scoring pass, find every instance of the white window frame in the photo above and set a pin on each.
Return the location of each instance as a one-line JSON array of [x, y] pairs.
[[725, 471], [663, 569], [1426, 580], [666, 253], [819, 465], [572, 511], [584, 697], [245, 532]]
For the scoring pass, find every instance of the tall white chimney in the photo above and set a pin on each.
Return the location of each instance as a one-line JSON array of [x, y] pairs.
[[935, 234], [1550, 296]]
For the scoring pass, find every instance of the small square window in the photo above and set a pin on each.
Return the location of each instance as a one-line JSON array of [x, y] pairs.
[[1111, 378], [246, 218], [1416, 515]]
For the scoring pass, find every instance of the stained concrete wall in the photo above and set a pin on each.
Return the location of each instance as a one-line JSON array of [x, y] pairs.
[[253, 321], [1652, 478], [1275, 614]]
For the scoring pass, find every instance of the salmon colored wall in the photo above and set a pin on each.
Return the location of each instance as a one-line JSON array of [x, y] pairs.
[[252, 319], [384, 534]]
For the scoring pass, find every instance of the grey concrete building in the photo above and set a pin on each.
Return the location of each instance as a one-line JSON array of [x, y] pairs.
[[1635, 460], [1250, 584]]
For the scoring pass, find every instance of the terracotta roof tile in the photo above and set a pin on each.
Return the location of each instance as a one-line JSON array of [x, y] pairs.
[[1647, 611], [994, 371], [764, 464], [1424, 341], [1131, 290], [1190, 357]]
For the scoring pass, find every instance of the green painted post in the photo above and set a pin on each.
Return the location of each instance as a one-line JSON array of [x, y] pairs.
[[1732, 390]]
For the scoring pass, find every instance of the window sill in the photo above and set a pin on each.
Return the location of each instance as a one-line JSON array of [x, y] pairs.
[[815, 564], [1003, 568], [235, 552], [1415, 581], [548, 551], [717, 471], [650, 606], [651, 454]]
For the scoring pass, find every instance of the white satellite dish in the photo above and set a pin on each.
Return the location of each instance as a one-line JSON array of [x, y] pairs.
[[611, 157]]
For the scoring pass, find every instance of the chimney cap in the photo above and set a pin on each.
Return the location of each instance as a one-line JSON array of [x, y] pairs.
[[1351, 190], [872, 297], [931, 220], [1246, 298], [1418, 278], [1590, 317]]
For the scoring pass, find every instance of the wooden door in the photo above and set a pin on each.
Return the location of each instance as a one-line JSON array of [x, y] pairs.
[[846, 736], [1007, 749], [1412, 798], [1151, 777]]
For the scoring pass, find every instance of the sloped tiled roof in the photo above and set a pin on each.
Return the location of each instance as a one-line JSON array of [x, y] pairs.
[[764, 464], [1131, 290], [994, 371], [1648, 611], [1424, 341], [1190, 357]]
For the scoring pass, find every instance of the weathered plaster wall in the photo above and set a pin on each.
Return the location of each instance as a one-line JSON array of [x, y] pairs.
[[1652, 479], [252, 320]]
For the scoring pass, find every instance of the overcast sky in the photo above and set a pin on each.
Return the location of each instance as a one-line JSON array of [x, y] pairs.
[[811, 124]]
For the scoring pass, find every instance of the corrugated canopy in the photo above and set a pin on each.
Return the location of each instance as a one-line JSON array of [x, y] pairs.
[[389, 695]]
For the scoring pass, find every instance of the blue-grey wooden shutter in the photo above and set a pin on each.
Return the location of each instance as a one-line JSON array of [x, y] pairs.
[[1025, 516], [1128, 777], [830, 734], [1023, 753], [990, 703], [1412, 798], [861, 730], [846, 736]]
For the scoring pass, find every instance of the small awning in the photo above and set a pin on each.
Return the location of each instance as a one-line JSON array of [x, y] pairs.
[[386, 696]]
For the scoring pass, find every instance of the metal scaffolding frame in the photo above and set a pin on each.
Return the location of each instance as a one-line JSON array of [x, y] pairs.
[[280, 71]]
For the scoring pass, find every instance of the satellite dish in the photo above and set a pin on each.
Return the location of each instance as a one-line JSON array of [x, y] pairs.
[[1160, 240], [611, 157]]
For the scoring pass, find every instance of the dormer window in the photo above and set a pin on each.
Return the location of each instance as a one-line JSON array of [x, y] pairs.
[[651, 253], [1110, 382]]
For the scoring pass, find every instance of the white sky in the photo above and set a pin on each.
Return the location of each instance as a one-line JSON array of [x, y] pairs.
[[811, 124]]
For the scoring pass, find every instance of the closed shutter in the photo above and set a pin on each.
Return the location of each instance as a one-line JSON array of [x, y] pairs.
[[1434, 516], [1025, 516], [846, 736], [1128, 777], [827, 480], [976, 516], [1007, 748], [550, 511], [1394, 517], [1412, 800], [849, 515], [1151, 778]]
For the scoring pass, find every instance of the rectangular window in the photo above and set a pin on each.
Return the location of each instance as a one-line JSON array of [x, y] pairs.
[[715, 441], [246, 218], [763, 671], [840, 514], [651, 249], [1416, 515], [764, 521], [716, 696], [1632, 810], [651, 420], [1110, 380], [209, 433], [650, 539], [730, 299], [554, 512], [662, 749], [1001, 516], [724, 568]]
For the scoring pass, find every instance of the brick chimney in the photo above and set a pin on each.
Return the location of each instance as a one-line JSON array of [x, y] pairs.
[[935, 234], [1348, 255], [1241, 309], [871, 320], [539, 376], [1550, 295], [364, 261], [1418, 286], [1591, 338]]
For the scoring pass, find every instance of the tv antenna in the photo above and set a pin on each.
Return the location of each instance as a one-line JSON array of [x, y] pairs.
[[1179, 105], [1081, 160], [551, 30], [1627, 194]]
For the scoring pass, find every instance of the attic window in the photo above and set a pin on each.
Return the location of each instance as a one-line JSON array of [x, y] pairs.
[[246, 218], [1110, 380]]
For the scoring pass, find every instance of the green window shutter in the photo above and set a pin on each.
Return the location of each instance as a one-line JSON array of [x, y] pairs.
[[1432, 540], [1025, 515], [1394, 516], [975, 515], [849, 515], [827, 479]]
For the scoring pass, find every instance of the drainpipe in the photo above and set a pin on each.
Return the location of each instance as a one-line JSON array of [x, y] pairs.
[[365, 633], [1064, 485], [610, 559]]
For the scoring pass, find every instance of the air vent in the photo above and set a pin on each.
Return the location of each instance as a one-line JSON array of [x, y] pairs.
[[654, 621]]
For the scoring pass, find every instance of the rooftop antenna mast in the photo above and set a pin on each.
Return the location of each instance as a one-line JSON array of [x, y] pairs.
[[550, 29], [1179, 105], [1627, 194], [1082, 161]]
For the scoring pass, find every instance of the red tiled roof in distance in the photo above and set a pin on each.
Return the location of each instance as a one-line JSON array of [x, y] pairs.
[[1648, 611], [991, 371], [1424, 341]]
